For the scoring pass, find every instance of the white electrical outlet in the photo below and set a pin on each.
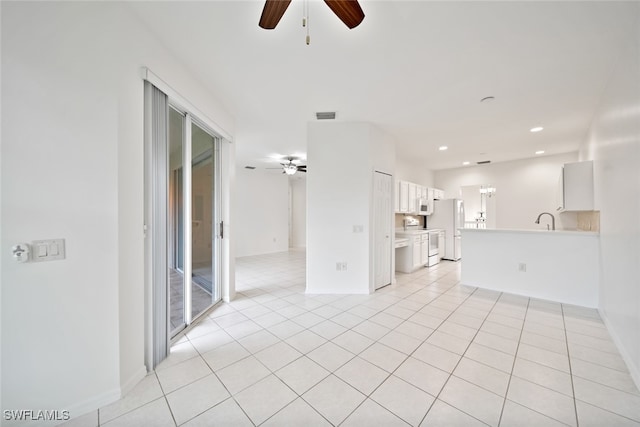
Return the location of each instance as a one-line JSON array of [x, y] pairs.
[[522, 267], [341, 266]]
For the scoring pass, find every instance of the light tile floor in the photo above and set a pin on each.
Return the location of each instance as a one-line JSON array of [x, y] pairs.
[[426, 351]]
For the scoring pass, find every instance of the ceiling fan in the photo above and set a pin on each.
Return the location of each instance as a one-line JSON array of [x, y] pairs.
[[349, 12], [290, 168]]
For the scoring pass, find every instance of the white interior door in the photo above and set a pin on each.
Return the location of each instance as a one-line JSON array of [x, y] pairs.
[[383, 225]]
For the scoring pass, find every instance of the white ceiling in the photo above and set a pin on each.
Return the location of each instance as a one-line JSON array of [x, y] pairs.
[[416, 69]]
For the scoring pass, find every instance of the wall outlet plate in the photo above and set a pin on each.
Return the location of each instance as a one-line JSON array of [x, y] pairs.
[[48, 250]]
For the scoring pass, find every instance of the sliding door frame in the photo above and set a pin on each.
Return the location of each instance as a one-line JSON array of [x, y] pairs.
[[223, 265]]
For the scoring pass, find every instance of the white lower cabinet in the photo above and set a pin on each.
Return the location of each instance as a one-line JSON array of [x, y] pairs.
[[415, 255], [417, 252]]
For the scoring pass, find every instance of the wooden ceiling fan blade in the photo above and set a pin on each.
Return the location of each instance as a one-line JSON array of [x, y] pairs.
[[349, 11], [272, 13]]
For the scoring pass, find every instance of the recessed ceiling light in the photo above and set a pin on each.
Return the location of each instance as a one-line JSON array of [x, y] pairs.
[[443, 148], [536, 129], [465, 163], [540, 152]]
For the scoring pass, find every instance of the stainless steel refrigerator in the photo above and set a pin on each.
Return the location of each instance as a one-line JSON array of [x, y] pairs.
[[448, 214]]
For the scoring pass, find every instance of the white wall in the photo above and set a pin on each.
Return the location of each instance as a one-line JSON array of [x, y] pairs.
[[72, 131], [524, 189], [261, 212], [414, 172], [613, 144], [298, 188], [339, 197]]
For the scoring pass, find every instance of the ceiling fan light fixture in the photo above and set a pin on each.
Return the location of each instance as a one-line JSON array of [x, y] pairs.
[[290, 169]]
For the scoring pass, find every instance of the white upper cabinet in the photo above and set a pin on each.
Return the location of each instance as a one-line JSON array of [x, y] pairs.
[[438, 194], [403, 193], [575, 187], [413, 199], [396, 196], [410, 195]]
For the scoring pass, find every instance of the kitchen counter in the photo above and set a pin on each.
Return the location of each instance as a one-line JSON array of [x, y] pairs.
[[533, 231], [413, 231], [558, 265]]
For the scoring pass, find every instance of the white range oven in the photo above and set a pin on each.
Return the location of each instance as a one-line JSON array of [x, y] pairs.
[[434, 251]]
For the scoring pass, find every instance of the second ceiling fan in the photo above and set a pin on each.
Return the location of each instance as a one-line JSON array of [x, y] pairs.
[[292, 166], [349, 12]]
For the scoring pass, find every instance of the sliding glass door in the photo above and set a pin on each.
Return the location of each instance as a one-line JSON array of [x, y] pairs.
[[193, 247], [203, 215]]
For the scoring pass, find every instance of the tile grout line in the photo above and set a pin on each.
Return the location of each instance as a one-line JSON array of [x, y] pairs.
[[573, 390], [164, 395], [515, 358]]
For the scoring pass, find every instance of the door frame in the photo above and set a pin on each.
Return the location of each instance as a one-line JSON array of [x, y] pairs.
[[226, 259]]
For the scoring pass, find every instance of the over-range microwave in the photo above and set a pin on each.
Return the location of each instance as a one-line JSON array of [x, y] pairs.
[[425, 207]]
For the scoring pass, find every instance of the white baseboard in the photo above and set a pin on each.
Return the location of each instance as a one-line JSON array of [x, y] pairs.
[[634, 369], [97, 402], [128, 385], [92, 404]]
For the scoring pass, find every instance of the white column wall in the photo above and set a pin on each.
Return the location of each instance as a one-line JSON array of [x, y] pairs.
[[341, 159], [72, 167], [613, 144], [337, 199], [298, 212]]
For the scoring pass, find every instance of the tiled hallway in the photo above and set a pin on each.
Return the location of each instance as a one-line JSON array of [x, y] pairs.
[[426, 351]]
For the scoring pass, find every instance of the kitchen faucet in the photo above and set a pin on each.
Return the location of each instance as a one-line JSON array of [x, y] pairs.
[[553, 220]]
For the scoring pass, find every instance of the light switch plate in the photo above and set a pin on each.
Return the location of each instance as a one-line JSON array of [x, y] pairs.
[[48, 250]]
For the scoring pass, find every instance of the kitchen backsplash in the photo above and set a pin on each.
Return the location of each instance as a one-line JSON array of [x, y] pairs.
[[589, 221], [399, 218]]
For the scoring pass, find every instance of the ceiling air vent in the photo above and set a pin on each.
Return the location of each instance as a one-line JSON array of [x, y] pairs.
[[484, 162], [328, 115], [250, 167]]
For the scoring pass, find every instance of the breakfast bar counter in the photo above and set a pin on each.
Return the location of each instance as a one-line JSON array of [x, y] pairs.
[[561, 266]]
